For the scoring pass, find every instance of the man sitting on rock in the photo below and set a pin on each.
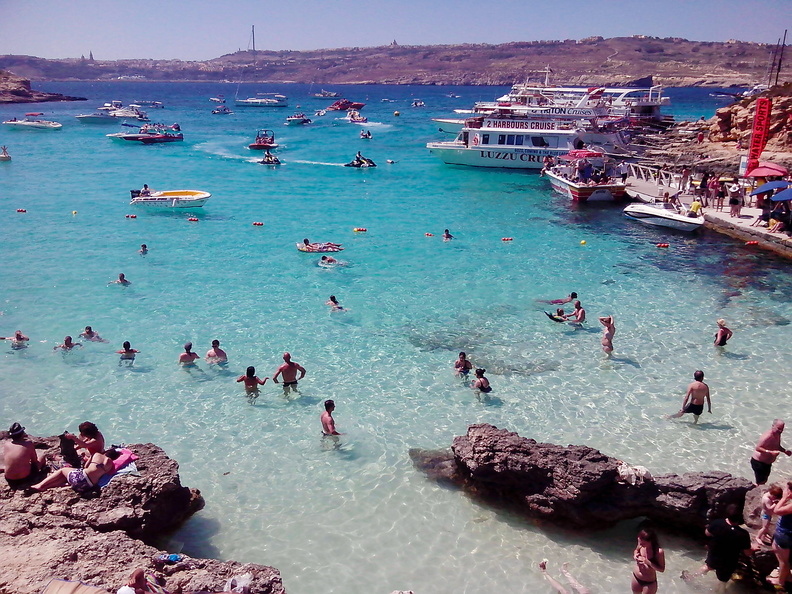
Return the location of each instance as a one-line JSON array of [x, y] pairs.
[[23, 464]]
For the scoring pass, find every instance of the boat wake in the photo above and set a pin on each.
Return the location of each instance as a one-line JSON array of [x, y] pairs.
[[317, 163], [224, 152]]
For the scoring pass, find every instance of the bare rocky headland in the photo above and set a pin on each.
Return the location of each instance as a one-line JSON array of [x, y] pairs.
[[14, 89], [727, 136], [57, 534]]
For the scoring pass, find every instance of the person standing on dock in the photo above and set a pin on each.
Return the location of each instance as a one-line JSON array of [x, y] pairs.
[[622, 170], [684, 179]]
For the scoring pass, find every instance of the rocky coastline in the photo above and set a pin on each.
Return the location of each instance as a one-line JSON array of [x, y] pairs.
[[14, 89], [579, 487], [58, 534]]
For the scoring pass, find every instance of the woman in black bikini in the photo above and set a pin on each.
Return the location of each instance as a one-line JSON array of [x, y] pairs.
[[649, 559], [481, 384]]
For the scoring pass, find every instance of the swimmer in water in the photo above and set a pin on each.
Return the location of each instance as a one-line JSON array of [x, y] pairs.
[[447, 235], [89, 334], [328, 260], [216, 355], [723, 334], [18, 340], [334, 304], [577, 586], [608, 333], [481, 384], [143, 249], [578, 315], [571, 297], [188, 357], [462, 366], [121, 281], [127, 354], [558, 316], [288, 372], [252, 383], [67, 345]]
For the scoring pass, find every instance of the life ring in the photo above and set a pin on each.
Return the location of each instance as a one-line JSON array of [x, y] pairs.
[[475, 139]]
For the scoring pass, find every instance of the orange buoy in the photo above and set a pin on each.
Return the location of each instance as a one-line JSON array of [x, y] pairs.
[[429, 234], [663, 245], [132, 216], [359, 229], [751, 243]]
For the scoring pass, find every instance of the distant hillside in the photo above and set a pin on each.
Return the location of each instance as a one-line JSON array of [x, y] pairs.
[[595, 61]]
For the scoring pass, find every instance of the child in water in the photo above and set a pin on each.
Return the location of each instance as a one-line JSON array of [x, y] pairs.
[[252, 383]]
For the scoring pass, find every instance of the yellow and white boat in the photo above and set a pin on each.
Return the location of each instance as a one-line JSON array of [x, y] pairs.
[[171, 199]]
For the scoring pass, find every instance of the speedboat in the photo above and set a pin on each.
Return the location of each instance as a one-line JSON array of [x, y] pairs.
[[171, 199], [222, 110], [320, 112], [326, 94], [297, 119], [116, 109], [29, 122], [151, 134], [264, 100], [265, 140], [345, 105], [355, 117], [218, 99], [418, 103], [153, 104], [663, 214], [97, 117]]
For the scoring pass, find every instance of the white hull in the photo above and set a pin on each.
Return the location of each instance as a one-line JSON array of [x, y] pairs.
[[97, 119], [657, 216], [452, 153], [277, 101], [38, 125], [585, 193], [173, 199]]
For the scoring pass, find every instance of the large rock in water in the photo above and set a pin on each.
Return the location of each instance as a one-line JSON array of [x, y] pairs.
[[58, 534], [14, 89], [575, 485]]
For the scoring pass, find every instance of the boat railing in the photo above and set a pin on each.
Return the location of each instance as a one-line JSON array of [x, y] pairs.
[[654, 176]]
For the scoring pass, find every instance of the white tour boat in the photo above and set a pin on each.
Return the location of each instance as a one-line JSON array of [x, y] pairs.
[[663, 214], [522, 142], [264, 100], [30, 122], [171, 199]]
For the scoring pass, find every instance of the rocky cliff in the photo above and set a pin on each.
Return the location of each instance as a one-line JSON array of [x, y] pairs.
[[14, 89], [99, 540]]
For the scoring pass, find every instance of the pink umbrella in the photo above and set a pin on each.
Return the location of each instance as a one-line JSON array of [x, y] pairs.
[[767, 169]]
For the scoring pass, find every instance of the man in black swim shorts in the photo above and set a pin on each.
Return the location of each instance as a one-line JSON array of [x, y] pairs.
[[695, 396], [767, 450], [288, 372]]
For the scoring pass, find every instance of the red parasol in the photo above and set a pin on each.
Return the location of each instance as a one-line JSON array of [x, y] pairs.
[[580, 154], [767, 169]]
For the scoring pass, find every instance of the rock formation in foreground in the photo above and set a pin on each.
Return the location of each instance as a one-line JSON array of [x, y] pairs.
[[14, 89], [58, 534], [575, 486]]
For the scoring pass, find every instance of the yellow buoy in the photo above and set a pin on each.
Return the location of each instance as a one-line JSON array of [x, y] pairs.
[[583, 242], [396, 113], [74, 212]]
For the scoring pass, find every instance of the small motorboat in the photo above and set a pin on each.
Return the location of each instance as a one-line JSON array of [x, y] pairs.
[[360, 162], [264, 100], [218, 99], [151, 134], [320, 112], [161, 138], [153, 104], [355, 117], [171, 198], [297, 119], [222, 110], [345, 105], [663, 214], [265, 140], [418, 103], [98, 117], [318, 247], [326, 94], [4, 156], [270, 159], [31, 121]]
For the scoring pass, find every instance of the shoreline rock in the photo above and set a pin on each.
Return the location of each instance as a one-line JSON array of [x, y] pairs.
[[57, 534], [14, 89]]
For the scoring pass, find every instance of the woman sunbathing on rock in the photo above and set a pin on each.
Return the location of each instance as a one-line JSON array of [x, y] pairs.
[[82, 480]]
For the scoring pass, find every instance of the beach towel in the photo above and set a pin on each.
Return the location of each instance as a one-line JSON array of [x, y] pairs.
[[66, 587]]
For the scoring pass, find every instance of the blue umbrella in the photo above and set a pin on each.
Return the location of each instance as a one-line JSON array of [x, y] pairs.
[[774, 185], [782, 196]]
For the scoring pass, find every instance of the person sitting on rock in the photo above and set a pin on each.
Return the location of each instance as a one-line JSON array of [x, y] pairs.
[[91, 439], [23, 464], [141, 582], [82, 480]]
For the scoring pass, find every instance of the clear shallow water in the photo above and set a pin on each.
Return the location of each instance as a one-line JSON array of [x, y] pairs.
[[362, 515]]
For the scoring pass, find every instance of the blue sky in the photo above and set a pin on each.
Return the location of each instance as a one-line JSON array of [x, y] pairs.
[[203, 29]]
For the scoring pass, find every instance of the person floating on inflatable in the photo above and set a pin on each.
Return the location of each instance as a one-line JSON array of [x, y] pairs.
[[558, 316]]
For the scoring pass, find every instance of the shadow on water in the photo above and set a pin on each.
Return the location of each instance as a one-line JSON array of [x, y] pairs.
[[488, 400], [198, 532], [624, 361], [704, 426], [733, 356]]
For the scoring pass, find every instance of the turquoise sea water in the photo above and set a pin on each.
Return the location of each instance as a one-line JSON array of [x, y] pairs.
[[360, 519]]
